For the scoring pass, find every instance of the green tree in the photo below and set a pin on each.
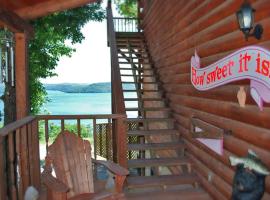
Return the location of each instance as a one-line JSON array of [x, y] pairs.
[[50, 43], [127, 8], [45, 49]]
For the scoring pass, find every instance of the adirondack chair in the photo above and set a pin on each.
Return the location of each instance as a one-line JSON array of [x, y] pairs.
[[70, 158]]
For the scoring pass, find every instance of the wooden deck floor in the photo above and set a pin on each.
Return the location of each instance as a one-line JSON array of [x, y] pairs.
[[187, 193]]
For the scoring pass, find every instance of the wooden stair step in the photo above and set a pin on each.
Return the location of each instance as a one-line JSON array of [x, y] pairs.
[[131, 52], [129, 35], [150, 120], [155, 162], [133, 49], [136, 63], [152, 181], [141, 82], [126, 68], [153, 132], [130, 39], [134, 57], [130, 45], [182, 194], [136, 75], [142, 90], [144, 99], [134, 41], [155, 146], [149, 109]]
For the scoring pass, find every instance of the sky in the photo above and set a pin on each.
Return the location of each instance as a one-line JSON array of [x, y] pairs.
[[91, 61]]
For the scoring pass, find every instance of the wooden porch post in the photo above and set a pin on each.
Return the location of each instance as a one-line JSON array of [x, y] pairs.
[[21, 74]]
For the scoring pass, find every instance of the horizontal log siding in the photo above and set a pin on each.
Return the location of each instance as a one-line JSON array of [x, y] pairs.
[[174, 29]]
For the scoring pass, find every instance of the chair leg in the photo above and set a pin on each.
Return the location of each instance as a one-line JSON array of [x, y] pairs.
[[119, 182]]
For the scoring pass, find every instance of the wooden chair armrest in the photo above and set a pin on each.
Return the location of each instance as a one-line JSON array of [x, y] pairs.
[[112, 167], [53, 183], [119, 172]]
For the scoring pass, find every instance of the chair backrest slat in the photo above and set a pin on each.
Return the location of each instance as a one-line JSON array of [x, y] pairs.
[[71, 158]]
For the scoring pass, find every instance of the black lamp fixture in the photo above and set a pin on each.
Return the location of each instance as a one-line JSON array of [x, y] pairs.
[[245, 18]]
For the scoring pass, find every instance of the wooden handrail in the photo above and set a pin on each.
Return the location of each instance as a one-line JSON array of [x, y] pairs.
[[15, 125], [128, 18], [59, 117], [118, 104]]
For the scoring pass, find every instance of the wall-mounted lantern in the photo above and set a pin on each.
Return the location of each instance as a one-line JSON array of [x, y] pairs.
[[245, 17]]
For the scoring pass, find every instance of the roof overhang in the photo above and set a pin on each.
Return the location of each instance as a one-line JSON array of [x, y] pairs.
[[32, 9]]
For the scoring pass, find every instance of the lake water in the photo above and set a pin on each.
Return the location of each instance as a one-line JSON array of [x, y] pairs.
[[77, 103], [81, 103]]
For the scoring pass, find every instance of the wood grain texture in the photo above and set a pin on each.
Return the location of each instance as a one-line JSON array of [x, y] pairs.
[[173, 30], [31, 9], [21, 74]]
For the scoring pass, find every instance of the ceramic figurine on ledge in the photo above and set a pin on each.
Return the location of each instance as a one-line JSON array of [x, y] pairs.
[[241, 96]]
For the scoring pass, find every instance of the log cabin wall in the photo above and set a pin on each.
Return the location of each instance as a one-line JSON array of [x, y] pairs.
[[173, 30]]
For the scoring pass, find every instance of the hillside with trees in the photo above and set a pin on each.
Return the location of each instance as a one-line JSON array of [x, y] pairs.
[[80, 88], [84, 88]]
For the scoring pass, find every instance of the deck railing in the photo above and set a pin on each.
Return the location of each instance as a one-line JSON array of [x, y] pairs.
[[96, 128], [126, 24], [19, 158], [19, 145], [118, 104]]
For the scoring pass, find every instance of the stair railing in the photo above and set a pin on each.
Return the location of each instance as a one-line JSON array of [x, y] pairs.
[[118, 104], [126, 24]]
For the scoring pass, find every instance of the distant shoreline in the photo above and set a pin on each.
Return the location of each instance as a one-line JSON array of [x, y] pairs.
[[80, 88], [75, 92], [83, 88]]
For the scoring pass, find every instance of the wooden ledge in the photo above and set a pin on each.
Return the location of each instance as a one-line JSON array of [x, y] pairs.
[[208, 131]]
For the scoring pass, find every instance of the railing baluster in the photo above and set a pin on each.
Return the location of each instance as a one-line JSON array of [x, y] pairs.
[[95, 137], [17, 158], [121, 140], [19, 164], [118, 25], [79, 127], [36, 157], [30, 153], [11, 160], [126, 25], [46, 135], [24, 158], [62, 124], [108, 140], [3, 185], [105, 141]]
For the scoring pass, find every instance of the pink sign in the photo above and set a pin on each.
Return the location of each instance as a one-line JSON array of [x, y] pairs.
[[252, 62]]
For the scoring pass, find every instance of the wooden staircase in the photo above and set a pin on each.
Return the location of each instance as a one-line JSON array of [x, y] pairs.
[[157, 164]]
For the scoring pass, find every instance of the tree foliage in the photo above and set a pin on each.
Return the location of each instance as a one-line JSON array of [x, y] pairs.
[[50, 43], [55, 129], [127, 8]]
